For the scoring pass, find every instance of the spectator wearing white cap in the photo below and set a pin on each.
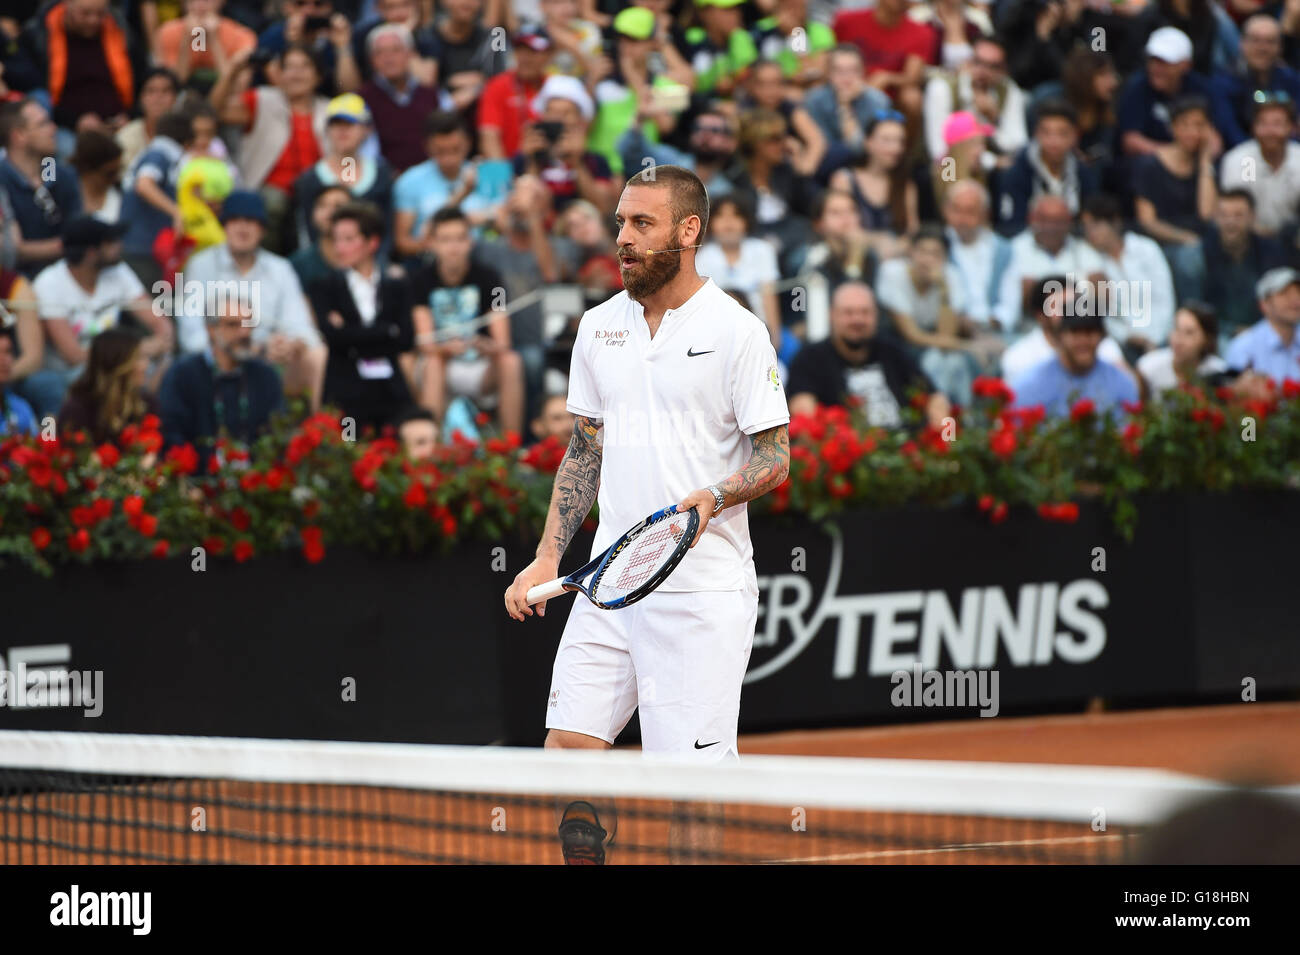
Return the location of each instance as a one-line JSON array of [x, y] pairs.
[[554, 148], [1270, 348], [1143, 115]]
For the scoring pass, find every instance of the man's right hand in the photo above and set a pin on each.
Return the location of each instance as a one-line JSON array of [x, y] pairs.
[[538, 572]]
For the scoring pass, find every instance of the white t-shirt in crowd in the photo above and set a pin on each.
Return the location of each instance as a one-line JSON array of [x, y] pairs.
[[59, 295], [1157, 369], [677, 412], [755, 268], [1140, 299], [1276, 191], [1076, 260], [898, 293], [1033, 349]]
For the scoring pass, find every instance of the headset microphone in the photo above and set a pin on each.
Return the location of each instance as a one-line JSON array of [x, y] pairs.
[[660, 251]]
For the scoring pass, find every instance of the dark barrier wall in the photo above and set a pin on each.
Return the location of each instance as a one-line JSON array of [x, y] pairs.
[[274, 647]]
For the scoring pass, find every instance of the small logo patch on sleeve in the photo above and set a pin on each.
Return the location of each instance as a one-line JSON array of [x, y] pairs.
[[774, 377]]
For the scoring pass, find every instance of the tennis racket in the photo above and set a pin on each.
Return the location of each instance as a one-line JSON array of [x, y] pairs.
[[634, 565]]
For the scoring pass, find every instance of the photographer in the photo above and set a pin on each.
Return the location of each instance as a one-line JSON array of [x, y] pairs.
[[554, 148]]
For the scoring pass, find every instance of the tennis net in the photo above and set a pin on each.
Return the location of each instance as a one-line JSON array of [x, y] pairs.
[[109, 798]]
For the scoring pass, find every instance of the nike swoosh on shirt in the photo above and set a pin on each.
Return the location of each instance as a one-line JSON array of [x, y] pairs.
[[695, 354]]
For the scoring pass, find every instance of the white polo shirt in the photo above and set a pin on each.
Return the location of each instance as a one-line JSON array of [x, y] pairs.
[[677, 412]]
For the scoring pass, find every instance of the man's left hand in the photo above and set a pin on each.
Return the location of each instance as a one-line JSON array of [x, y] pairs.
[[704, 503]]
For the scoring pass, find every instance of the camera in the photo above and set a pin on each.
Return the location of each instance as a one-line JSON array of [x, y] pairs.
[[551, 130]]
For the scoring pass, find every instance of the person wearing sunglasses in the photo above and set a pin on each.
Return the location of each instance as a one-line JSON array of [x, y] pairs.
[[1260, 77]]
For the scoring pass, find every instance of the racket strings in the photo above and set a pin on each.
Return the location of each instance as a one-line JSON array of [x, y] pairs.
[[642, 558]]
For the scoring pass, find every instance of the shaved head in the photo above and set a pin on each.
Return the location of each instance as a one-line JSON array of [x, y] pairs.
[[686, 194]]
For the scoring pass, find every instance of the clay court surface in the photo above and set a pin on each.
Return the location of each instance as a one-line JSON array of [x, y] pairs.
[[297, 823], [1218, 742]]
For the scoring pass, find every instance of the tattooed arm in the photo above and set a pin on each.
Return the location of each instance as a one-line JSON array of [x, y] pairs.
[[768, 465], [576, 484]]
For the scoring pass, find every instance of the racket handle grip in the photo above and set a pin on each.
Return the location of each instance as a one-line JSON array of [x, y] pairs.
[[545, 591]]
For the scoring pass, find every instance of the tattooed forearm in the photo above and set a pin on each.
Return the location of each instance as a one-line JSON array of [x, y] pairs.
[[767, 467], [576, 484]]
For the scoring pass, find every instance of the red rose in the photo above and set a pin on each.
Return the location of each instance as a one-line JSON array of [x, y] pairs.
[[133, 506], [1068, 512], [482, 419], [40, 538], [416, 496], [243, 551], [108, 455], [1083, 408], [310, 510], [147, 524], [240, 519], [59, 485], [1132, 407], [1003, 442], [999, 513], [102, 507], [83, 516], [986, 502], [250, 480], [909, 448], [1290, 388], [150, 422], [1216, 419], [449, 526], [79, 541], [183, 458], [313, 547], [214, 544], [160, 549]]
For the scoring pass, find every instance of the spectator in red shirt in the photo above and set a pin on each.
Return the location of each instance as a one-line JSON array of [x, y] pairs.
[[896, 50], [506, 104]]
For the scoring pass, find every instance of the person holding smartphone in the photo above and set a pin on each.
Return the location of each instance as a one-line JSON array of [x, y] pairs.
[[554, 148]]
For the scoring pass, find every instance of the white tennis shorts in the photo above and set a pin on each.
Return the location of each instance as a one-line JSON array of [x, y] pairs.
[[679, 657]]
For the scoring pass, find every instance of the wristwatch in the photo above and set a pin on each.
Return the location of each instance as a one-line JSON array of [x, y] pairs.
[[718, 496]]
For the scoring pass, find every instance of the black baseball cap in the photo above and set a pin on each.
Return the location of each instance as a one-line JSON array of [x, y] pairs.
[[85, 232]]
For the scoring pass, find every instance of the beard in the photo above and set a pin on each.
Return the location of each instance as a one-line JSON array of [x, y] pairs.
[[856, 343], [650, 274], [710, 157]]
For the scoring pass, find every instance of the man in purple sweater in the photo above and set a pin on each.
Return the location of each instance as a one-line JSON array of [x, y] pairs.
[[399, 104]]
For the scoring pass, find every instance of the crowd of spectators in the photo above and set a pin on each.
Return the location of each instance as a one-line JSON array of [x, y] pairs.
[[400, 208]]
